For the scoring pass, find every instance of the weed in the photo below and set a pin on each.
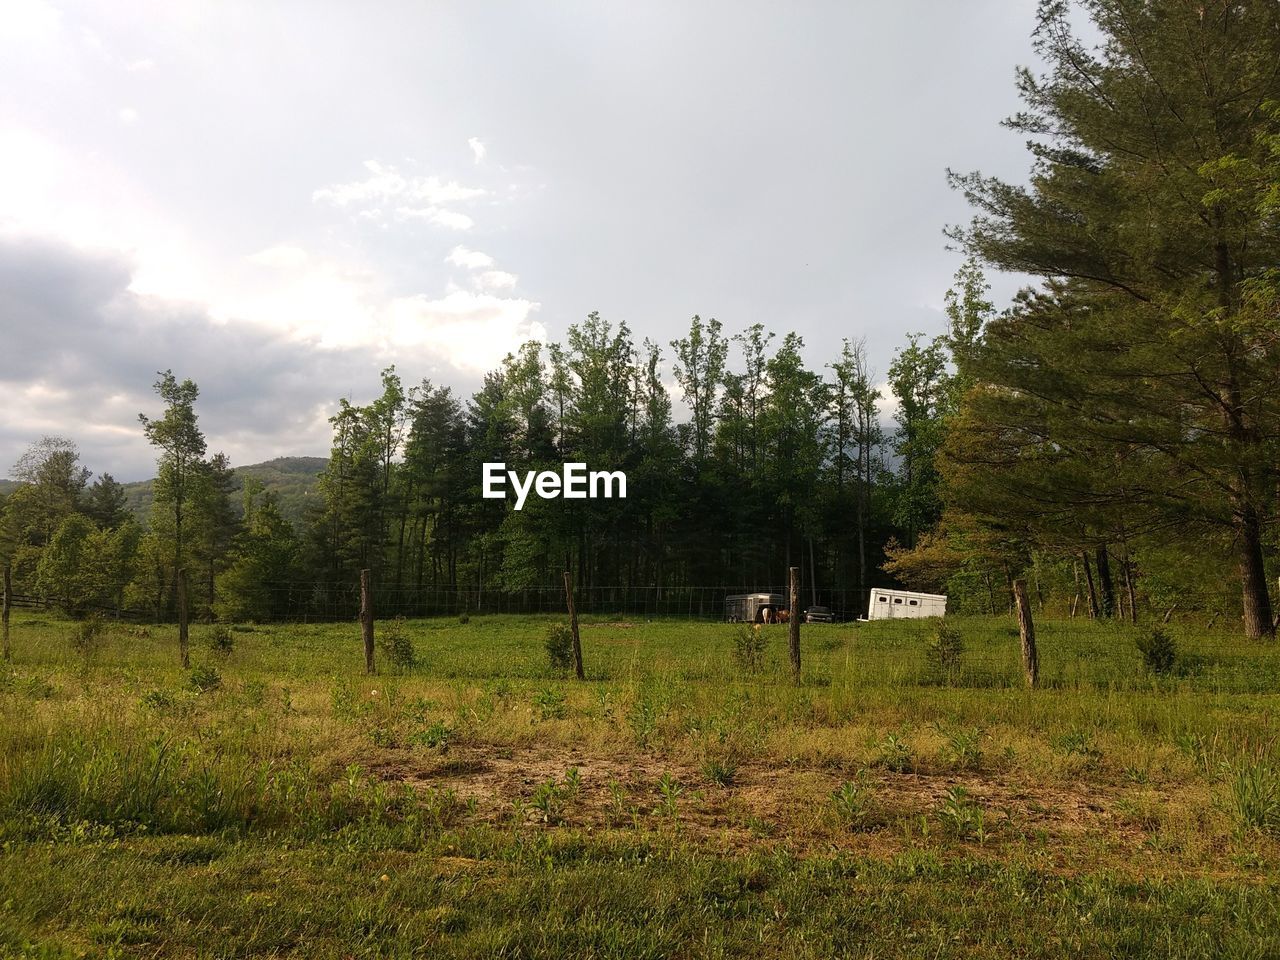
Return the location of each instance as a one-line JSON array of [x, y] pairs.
[[895, 754], [551, 704], [669, 793], [1159, 652], [435, 736], [1255, 797], [396, 644], [749, 647], [945, 649], [559, 646], [205, 678], [851, 802], [221, 640], [961, 816], [964, 749], [157, 699], [721, 772]]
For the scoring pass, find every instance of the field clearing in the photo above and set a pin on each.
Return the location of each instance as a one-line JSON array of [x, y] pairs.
[[275, 801]]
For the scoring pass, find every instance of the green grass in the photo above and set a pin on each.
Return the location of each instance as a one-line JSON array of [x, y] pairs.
[[274, 801]]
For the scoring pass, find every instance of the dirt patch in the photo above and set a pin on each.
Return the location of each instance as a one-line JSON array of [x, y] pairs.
[[763, 802]]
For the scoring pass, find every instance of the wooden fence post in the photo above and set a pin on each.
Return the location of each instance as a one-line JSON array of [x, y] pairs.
[[1027, 631], [793, 636], [573, 626], [184, 648], [366, 621], [4, 610]]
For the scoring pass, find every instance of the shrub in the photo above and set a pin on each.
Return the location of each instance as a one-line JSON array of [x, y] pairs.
[[205, 678], [945, 649], [749, 647], [396, 645], [1159, 652], [87, 633], [221, 640], [559, 644], [464, 618]]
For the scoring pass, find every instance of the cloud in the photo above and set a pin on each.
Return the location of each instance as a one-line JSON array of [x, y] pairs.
[[386, 183], [281, 256], [128, 116], [496, 280], [82, 351], [470, 259], [437, 215], [140, 66], [475, 329], [478, 149]]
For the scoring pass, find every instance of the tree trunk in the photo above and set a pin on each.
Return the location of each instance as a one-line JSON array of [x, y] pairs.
[[1027, 633], [366, 621], [1258, 624], [184, 651], [1106, 585], [793, 635], [1088, 579], [573, 625], [5, 604]]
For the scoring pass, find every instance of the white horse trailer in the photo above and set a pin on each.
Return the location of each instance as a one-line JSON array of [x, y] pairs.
[[895, 604]]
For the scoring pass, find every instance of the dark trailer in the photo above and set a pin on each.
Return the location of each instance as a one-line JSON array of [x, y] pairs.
[[753, 607]]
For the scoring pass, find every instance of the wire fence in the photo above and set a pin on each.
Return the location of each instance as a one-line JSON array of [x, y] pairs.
[[333, 600]]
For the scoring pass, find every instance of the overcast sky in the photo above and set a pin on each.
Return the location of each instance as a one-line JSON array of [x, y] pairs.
[[277, 199]]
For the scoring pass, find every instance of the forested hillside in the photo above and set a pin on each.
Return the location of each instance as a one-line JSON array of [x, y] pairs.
[[291, 479]]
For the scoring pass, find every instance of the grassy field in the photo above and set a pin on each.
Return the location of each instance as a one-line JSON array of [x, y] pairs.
[[274, 801]]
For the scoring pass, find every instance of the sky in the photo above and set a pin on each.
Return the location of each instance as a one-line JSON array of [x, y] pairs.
[[278, 199]]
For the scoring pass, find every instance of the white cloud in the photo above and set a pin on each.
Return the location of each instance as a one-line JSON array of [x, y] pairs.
[[478, 149], [128, 115], [474, 330], [437, 215], [281, 256], [496, 280], [470, 259], [385, 183], [140, 66]]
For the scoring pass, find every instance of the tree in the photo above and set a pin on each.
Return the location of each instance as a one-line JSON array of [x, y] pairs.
[[919, 381], [182, 447], [106, 502], [1148, 201], [699, 369]]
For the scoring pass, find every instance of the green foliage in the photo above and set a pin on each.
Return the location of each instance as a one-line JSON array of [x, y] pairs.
[[396, 644], [551, 704], [1255, 797], [945, 649], [559, 646], [749, 644], [205, 678], [720, 770], [1159, 651], [895, 754], [962, 816], [221, 640], [852, 802]]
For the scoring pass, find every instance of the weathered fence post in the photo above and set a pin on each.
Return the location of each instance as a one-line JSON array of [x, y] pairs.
[[184, 648], [366, 621], [4, 610], [1027, 631], [573, 625], [793, 636]]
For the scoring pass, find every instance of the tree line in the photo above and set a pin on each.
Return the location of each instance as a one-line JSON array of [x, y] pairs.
[[1113, 435]]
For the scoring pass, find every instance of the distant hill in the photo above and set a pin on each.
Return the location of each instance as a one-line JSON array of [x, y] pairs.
[[291, 479]]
